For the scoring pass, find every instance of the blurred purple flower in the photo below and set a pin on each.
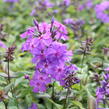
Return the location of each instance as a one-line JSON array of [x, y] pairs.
[[102, 108], [68, 21], [33, 106], [106, 69], [12, 1], [48, 4], [88, 4], [27, 76], [100, 11], [55, 11], [66, 2], [33, 12], [2, 45], [81, 7]]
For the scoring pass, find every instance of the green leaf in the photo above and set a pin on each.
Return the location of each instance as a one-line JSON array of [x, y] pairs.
[[77, 103], [12, 104], [2, 105], [76, 86], [13, 107], [91, 101], [45, 95], [18, 81], [55, 104], [28, 99], [8, 87]]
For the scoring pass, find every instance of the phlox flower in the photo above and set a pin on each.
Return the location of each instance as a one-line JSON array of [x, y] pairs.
[[50, 56], [40, 81]]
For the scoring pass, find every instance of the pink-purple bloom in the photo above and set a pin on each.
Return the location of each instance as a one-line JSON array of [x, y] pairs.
[[100, 11], [40, 81], [50, 56]]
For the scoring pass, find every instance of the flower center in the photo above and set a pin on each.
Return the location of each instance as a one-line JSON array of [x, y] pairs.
[[38, 84], [41, 78]]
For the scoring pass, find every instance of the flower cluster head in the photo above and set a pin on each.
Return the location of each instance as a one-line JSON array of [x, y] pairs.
[[102, 92], [11, 1], [10, 53], [50, 56], [100, 11]]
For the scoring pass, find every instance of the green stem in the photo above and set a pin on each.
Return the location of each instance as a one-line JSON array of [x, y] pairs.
[[82, 61], [8, 73], [65, 104], [9, 78], [53, 94], [6, 106]]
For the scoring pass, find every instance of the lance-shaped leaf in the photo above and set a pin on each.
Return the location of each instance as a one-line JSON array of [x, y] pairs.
[[91, 101]]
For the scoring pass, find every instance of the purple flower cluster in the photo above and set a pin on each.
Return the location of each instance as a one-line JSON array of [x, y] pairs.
[[49, 55], [11, 1], [102, 92], [100, 11]]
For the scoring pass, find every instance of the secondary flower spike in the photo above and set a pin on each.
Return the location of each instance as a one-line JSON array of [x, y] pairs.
[[102, 92]]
